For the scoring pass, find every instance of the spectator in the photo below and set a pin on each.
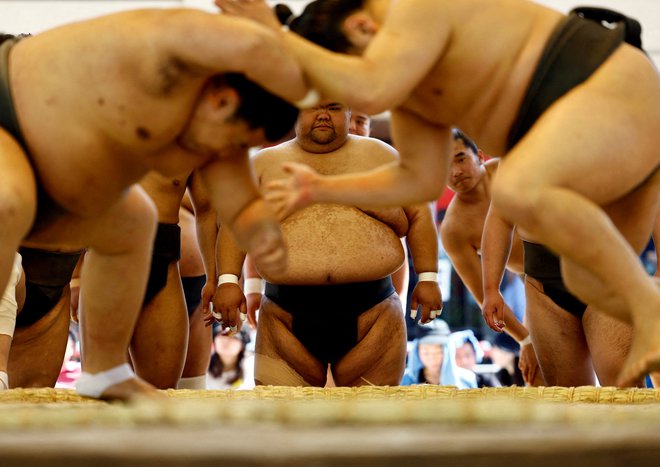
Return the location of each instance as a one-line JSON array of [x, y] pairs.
[[432, 360]]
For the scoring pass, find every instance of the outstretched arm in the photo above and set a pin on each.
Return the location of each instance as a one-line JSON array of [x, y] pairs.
[[390, 67], [419, 176]]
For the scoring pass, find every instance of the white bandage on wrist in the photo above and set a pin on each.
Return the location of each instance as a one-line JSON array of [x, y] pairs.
[[227, 279], [253, 285], [310, 100], [427, 277], [526, 341], [8, 304]]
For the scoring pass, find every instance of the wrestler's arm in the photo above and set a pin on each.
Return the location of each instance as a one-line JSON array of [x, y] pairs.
[[240, 208], [419, 176], [401, 54], [206, 224], [462, 255], [495, 250], [226, 44], [422, 238]]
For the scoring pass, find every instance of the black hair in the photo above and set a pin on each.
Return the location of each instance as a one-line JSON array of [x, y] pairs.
[[458, 135], [258, 107], [5, 36], [321, 22]]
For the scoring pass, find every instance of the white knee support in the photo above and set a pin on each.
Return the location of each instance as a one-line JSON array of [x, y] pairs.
[[8, 305]]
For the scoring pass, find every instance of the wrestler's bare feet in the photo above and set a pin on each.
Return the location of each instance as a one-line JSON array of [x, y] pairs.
[[132, 390], [644, 356]]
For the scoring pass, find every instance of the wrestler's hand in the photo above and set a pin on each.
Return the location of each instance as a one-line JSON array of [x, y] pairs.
[[258, 232], [253, 302], [229, 306], [428, 295], [208, 291], [256, 10], [529, 366], [493, 311], [287, 195]]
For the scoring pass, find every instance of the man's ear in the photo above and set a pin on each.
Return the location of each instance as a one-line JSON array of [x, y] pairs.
[[360, 28], [224, 98], [482, 156]]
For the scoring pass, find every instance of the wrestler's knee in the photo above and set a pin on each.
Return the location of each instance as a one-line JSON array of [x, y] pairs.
[[514, 198]]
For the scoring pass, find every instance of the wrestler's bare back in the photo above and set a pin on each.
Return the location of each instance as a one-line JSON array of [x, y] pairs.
[[329, 243], [98, 120]]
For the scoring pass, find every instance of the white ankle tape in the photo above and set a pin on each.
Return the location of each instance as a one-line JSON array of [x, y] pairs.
[[192, 382], [94, 385], [4, 381], [8, 305]]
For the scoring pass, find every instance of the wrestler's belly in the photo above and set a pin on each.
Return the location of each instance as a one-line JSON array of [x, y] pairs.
[[331, 244]]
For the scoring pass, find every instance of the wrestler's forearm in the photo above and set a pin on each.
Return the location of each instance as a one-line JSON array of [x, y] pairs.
[[514, 328], [230, 256], [422, 238], [495, 250], [207, 236]]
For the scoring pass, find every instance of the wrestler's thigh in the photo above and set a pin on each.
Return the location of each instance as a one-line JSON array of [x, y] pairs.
[[558, 338], [276, 341], [379, 358], [595, 141], [37, 351], [127, 225], [609, 342], [160, 338], [18, 192], [636, 213]]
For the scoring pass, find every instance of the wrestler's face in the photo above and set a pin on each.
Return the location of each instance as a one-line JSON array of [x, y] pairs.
[[360, 124], [323, 128], [431, 355], [214, 130], [466, 170], [465, 356]]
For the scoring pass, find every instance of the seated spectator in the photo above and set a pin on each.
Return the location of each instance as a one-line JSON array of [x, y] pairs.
[[505, 354], [469, 353], [226, 370], [71, 364], [432, 360]]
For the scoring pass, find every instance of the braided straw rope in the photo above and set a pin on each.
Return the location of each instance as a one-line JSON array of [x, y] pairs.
[[30, 408]]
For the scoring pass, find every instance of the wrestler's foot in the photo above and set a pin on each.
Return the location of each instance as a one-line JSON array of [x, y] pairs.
[[644, 355], [132, 390], [118, 383]]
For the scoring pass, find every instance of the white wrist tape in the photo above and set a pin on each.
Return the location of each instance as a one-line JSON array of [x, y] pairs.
[[427, 277], [253, 285], [227, 279], [310, 100], [8, 305], [4, 381], [526, 341]]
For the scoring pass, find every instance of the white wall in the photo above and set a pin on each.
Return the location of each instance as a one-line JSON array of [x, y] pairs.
[[36, 15]]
